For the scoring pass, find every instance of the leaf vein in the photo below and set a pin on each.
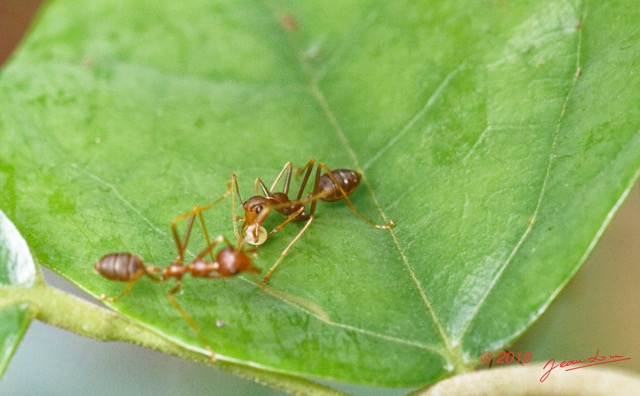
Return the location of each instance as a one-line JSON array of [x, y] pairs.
[[121, 198], [407, 127], [324, 105], [543, 189], [313, 310]]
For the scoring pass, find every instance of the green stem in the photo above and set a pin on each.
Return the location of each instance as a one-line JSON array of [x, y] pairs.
[[71, 313]]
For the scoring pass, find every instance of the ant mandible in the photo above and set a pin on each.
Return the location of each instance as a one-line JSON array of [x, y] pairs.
[[228, 262], [331, 186]]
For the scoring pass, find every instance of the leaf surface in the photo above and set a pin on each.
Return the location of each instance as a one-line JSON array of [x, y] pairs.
[[499, 137]]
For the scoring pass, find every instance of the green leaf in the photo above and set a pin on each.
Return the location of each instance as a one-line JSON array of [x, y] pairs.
[[499, 137], [17, 269], [14, 321]]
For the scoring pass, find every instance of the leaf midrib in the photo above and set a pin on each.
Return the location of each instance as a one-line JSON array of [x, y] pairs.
[[323, 103]]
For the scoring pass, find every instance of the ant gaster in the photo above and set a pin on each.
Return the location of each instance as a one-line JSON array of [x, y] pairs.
[[333, 185], [228, 262]]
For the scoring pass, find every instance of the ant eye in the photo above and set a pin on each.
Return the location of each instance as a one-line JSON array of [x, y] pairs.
[[258, 209]]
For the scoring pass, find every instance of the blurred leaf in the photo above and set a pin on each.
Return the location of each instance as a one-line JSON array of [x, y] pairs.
[[499, 136], [17, 267], [14, 321], [16, 270]]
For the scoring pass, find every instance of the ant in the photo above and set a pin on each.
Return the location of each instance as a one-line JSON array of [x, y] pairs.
[[331, 186], [228, 262]]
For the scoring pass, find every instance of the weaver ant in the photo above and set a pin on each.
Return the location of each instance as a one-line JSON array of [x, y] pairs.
[[331, 186], [228, 262]]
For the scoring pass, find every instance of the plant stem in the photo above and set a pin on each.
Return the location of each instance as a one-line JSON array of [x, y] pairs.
[[71, 313]]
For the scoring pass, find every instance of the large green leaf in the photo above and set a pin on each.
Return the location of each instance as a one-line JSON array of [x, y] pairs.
[[500, 137]]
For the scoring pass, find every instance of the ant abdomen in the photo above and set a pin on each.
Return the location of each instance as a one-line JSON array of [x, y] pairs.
[[348, 180], [120, 266]]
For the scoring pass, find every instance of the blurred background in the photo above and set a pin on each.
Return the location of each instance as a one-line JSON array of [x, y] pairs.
[[598, 310]]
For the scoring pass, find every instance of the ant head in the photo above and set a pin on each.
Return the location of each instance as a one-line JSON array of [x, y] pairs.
[[256, 210]]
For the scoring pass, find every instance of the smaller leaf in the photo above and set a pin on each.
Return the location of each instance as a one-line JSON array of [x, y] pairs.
[[16, 263], [14, 321], [16, 269]]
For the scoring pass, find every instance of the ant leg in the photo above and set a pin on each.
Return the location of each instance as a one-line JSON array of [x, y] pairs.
[[197, 211], [149, 271], [203, 226], [287, 179], [182, 246], [286, 250], [268, 192], [387, 226], [286, 221], [126, 291], [309, 168], [188, 319], [315, 195], [234, 183], [298, 171], [210, 247], [263, 187], [234, 217], [202, 222]]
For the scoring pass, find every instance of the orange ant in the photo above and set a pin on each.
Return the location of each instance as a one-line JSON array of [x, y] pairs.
[[331, 186], [228, 262]]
